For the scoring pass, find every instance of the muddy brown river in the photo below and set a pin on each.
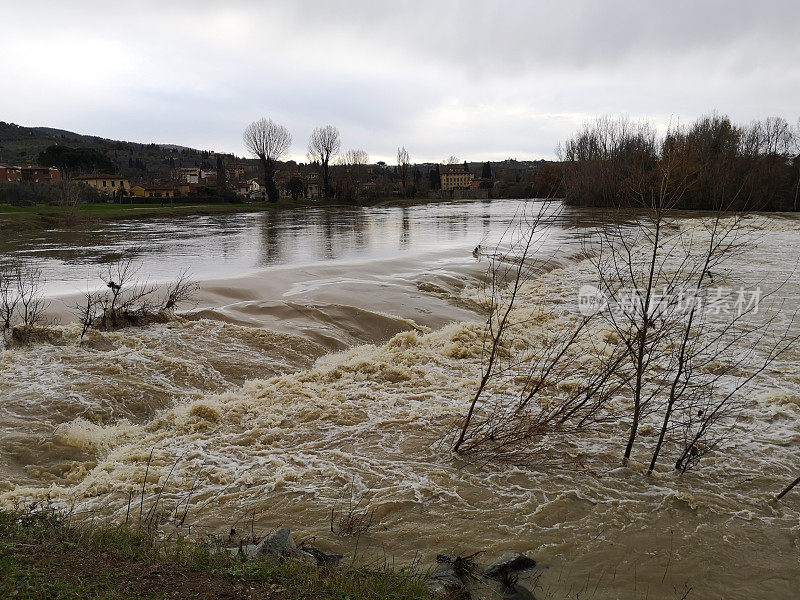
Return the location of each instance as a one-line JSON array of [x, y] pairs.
[[329, 355]]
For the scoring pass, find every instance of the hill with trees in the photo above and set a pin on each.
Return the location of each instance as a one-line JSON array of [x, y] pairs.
[[21, 145]]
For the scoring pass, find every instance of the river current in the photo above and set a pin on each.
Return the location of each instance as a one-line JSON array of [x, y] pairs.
[[329, 355]]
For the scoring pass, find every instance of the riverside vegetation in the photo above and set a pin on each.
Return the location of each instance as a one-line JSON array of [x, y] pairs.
[[45, 554]]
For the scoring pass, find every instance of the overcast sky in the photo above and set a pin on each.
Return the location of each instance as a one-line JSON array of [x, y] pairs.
[[480, 80]]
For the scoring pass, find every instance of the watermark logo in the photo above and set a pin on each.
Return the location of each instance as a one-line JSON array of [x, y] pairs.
[[715, 301], [591, 300]]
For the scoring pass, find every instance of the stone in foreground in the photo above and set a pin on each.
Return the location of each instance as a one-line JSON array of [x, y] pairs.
[[278, 543], [510, 564], [323, 557], [445, 583]]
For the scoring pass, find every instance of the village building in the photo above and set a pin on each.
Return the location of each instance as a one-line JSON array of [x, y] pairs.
[[41, 174], [311, 181], [455, 177], [241, 188], [189, 174], [155, 191], [235, 171], [105, 184], [10, 173], [35, 174]]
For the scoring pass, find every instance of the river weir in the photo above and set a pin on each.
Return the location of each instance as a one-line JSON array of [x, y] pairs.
[[332, 354]]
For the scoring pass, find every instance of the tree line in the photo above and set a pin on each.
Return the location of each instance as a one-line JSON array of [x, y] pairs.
[[715, 163], [270, 142], [344, 174]]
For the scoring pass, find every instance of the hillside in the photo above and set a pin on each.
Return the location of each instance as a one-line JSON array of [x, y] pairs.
[[140, 162]]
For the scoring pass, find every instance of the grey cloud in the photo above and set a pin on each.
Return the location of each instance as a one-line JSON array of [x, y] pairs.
[[468, 78]]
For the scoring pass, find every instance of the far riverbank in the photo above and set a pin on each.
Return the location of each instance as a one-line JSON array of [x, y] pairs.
[[43, 216]]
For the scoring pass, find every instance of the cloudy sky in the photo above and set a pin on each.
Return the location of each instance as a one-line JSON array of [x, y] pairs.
[[476, 79]]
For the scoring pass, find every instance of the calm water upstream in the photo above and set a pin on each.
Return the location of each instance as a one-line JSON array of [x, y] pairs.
[[330, 351], [229, 245]]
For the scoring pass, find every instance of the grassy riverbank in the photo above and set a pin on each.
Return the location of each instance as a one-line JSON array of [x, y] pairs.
[[43, 556], [45, 215]]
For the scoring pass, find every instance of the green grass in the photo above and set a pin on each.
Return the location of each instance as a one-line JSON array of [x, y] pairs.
[[43, 556]]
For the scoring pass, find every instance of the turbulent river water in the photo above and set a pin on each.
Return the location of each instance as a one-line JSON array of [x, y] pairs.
[[329, 354]]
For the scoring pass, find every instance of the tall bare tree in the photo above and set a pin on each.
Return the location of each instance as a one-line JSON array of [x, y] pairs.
[[403, 165], [323, 145], [352, 173], [269, 142]]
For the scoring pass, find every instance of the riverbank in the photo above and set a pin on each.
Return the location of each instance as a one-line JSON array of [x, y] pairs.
[[42, 555], [41, 216]]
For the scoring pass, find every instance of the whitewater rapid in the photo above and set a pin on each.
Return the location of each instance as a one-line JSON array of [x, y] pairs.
[[283, 393]]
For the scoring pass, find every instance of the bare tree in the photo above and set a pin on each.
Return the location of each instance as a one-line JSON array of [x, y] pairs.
[[657, 276], [9, 297], [356, 157], [506, 419], [31, 303], [180, 291], [86, 313], [323, 145], [403, 165], [269, 142], [673, 359], [71, 196], [350, 174]]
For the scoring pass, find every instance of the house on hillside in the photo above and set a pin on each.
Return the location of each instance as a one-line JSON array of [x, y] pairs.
[[189, 174], [235, 171], [41, 174], [311, 182], [455, 177], [241, 188], [105, 184], [155, 191], [9, 173]]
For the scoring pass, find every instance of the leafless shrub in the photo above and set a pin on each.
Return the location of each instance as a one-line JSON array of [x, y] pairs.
[[127, 302], [9, 298], [22, 304], [356, 519], [86, 313], [507, 418], [667, 358], [71, 196], [124, 301], [180, 291]]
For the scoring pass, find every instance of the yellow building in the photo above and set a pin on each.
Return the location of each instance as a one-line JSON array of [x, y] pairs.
[[154, 191], [106, 184], [455, 177]]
